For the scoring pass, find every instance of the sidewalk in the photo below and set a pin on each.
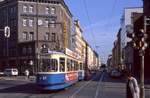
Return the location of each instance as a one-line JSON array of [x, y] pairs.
[[20, 78], [147, 86]]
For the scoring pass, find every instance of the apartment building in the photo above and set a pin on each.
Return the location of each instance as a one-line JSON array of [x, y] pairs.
[[34, 25]]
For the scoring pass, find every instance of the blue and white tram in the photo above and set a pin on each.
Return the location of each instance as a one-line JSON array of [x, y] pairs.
[[58, 71]]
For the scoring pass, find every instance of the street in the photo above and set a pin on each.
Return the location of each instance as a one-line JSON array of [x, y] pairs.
[[101, 86]]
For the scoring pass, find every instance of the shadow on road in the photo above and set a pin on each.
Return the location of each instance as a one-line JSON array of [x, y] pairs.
[[29, 88]]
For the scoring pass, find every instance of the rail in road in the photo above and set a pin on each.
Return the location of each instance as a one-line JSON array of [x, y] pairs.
[[90, 87]]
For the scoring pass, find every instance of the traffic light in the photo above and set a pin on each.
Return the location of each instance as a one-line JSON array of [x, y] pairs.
[[134, 40], [143, 40], [138, 39]]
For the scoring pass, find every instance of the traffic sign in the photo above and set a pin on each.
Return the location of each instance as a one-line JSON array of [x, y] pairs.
[[7, 31]]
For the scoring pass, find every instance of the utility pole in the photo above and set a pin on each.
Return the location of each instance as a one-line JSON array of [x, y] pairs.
[[6, 31], [142, 53], [139, 42]]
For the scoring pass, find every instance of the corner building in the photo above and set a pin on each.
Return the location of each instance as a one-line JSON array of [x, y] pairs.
[[34, 24], [146, 5]]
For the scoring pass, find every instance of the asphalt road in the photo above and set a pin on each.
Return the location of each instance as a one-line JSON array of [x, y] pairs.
[[101, 86]]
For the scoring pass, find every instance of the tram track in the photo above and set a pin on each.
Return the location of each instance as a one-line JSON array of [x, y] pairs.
[[99, 84], [89, 84]]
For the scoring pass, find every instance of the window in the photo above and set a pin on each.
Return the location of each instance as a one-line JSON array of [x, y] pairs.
[[49, 65], [31, 36], [31, 22], [53, 37], [31, 9], [24, 50], [46, 36], [15, 23], [46, 23], [40, 22], [68, 65], [11, 10], [52, 24], [12, 23], [61, 13], [54, 65], [53, 10], [29, 50], [14, 9], [24, 35], [62, 64], [24, 8], [47, 10], [24, 22]]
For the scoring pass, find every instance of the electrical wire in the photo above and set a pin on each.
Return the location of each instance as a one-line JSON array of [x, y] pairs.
[[107, 24], [90, 23]]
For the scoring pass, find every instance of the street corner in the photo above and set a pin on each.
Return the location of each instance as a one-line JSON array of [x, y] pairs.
[[1, 78]]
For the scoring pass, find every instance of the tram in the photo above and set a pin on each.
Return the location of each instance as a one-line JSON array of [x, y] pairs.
[[58, 71]]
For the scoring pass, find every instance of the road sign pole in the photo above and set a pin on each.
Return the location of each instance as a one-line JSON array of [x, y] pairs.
[[142, 88], [7, 36]]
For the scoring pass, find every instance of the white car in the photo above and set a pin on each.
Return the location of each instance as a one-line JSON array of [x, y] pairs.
[[11, 71], [1, 73]]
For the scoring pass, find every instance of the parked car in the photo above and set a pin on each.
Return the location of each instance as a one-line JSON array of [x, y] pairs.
[[1, 73], [115, 73], [11, 71]]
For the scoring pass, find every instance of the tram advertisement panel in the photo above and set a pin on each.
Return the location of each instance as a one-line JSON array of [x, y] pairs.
[[71, 76]]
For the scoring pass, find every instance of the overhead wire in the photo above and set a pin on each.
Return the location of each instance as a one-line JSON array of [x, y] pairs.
[[90, 23], [111, 12], [111, 16]]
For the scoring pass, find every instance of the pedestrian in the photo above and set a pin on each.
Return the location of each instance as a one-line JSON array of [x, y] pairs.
[[132, 87], [27, 73]]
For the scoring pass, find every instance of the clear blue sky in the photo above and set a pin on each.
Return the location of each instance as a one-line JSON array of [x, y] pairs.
[[105, 18]]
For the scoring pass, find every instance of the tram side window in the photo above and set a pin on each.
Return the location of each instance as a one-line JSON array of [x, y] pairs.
[[62, 64], [68, 65], [53, 65], [76, 65], [72, 65], [81, 66]]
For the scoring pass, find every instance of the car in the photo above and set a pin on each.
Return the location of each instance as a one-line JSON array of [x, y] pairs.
[[115, 73], [1, 73], [11, 71]]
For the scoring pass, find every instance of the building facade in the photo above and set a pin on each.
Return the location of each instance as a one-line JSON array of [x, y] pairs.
[[34, 24], [127, 27], [80, 44]]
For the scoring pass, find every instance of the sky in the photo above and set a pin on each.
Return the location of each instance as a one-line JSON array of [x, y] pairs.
[[100, 21]]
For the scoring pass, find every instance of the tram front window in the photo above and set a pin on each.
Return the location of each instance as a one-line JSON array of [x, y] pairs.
[[53, 65], [49, 65]]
